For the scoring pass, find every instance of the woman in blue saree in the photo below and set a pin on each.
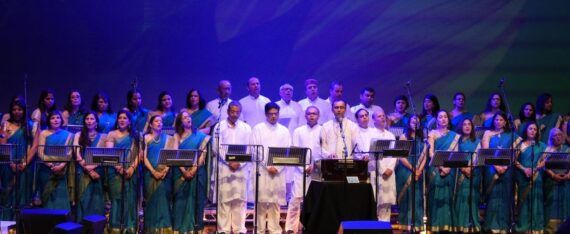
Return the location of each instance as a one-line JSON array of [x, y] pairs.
[[526, 115], [124, 136], [73, 113], [556, 186], [528, 177], [15, 131], [461, 207], [90, 190], [495, 104], [102, 105], [134, 105], [497, 180], [52, 176], [404, 178], [458, 114], [164, 109], [157, 180], [546, 119], [186, 211], [441, 179], [429, 112], [400, 117]]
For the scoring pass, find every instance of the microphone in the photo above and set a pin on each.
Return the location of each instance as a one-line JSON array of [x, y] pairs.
[[501, 83], [222, 102], [409, 83]]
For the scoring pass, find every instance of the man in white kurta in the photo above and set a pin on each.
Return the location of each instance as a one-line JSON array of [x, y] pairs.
[[366, 102], [252, 105], [386, 192], [336, 90], [290, 112], [219, 106], [306, 136], [272, 179], [233, 176], [334, 145], [313, 99]]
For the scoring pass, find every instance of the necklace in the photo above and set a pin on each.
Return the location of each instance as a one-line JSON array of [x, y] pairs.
[[156, 139]]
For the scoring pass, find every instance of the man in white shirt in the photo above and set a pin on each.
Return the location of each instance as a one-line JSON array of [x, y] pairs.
[[291, 113], [233, 176], [339, 135], [313, 99], [220, 104], [306, 136], [386, 194], [366, 102], [253, 104], [272, 179], [336, 90]]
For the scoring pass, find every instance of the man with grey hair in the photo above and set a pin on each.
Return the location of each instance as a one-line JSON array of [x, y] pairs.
[[219, 106], [291, 113], [313, 99]]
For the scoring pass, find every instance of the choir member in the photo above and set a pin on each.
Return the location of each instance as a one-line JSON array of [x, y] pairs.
[[527, 115], [157, 179], [313, 99], [46, 104], [165, 109], [219, 106], [528, 175], [495, 104], [138, 112], [339, 135], [124, 136], [202, 119], [429, 111], [73, 112], [272, 179], [367, 103], [187, 192], [556, 186], [90, 196], [441, 179], [404, 176], [546, 119], [459, 112], [461, 209], [102, 105], [306, 136], [400, 117], [497, 180], [336, 89], [233, 176], [290, 113], [253, 103]]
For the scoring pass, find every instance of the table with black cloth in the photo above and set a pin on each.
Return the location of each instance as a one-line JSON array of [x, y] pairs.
[[327, 204]]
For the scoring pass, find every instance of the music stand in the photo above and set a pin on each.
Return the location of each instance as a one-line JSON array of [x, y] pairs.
[[110, 157], [169, 130], [73, 128], [557, 162], [8, 154], [241, 154], [497, 157], [388, 148], [55, 153]]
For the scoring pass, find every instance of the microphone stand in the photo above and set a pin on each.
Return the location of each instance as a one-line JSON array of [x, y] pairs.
[[345, 148], [511, 124], [217, 137], [531, 183], [416, 129]]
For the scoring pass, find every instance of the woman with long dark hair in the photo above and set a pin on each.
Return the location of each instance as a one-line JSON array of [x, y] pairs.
[[101, 104], [90, 196], [546, 118], [73, 112], [164, 109], [188, 208], [527, 114], [429, 111], [495, 104], [124, 136], [196, 107], [134, 105], [46, 104]]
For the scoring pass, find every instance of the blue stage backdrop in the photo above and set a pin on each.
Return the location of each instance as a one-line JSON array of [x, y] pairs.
[[441, 46]]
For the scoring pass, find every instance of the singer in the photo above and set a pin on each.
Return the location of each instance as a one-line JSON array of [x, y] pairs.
[[219, 106], [339, 135]]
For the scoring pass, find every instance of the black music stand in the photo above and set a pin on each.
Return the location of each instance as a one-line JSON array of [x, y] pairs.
[[241, 154], [73, 128], [55, 153], [495, 157], [388, 148], [8, 153], [110, 157], [558, 162]]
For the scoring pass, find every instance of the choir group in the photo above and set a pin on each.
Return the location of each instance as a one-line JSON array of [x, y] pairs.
[[173, 199]]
